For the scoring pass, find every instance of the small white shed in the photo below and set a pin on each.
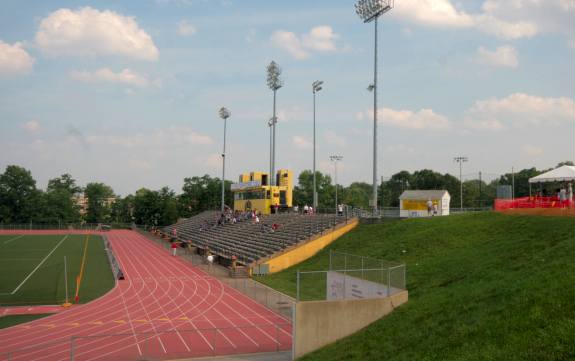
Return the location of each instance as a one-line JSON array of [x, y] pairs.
[[415, 203]]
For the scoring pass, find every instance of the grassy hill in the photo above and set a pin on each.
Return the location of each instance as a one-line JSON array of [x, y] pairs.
[[481, 287]]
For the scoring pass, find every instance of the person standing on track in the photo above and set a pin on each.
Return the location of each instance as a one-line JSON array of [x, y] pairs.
[[174, 248]]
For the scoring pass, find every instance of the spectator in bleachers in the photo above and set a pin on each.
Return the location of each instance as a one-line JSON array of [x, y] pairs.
[[305, 209]]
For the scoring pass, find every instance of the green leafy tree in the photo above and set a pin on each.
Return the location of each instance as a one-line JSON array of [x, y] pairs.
[[100, 198], [303, 192], [18, 195], [58, 201], [201, 194]]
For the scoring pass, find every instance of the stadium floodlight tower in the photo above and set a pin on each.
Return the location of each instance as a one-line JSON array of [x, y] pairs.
[[371, 10], [460, 160], [335, 159], [316, 86], [224, 114], [274, 83]]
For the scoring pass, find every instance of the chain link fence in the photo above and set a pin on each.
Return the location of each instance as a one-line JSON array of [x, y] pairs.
[[351, 277]]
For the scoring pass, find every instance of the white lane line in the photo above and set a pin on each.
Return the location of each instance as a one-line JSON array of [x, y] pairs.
[[13, 239], [39, 264]]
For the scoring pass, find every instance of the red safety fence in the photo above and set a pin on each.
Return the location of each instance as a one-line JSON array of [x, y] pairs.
[[532, 202]]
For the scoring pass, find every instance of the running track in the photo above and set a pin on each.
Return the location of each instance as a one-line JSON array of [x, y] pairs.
[[164, 309]]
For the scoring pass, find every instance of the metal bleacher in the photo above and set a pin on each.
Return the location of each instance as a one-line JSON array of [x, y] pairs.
[[249, 241]]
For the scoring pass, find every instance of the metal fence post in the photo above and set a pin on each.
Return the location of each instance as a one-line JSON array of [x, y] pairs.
[[277, 338], [215, 341], [297, 286], [330, 264], [72, 348], [404, 280], [388, 281]]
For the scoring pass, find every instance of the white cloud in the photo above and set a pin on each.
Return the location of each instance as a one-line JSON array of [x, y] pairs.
[[519, 110], [301, 142], [160, 138], [185, 28], [289, 41], [333, 138], [319, 39], [532, 150], [31, 126], [440, 13], [105, 75], [549, 16], [407, 119], [503, 29], [503, 56], [400, 148], [88, 31], [14, 60], [213, 161], [443, 14]]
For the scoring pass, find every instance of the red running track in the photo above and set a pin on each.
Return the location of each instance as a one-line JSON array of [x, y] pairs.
[[164, 309]]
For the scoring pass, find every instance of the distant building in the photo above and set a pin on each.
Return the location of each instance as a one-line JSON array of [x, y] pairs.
[[415, 203], [81, 201]]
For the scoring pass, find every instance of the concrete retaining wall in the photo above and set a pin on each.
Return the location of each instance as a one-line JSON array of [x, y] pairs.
[[318, 323]]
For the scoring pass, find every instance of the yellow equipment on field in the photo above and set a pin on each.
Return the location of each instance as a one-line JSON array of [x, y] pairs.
[[254, 192]]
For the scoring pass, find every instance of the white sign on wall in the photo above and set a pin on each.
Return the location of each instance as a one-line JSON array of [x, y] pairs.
[[340, 286]]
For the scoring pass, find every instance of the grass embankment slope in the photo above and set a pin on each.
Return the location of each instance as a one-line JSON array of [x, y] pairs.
[[481, 287]]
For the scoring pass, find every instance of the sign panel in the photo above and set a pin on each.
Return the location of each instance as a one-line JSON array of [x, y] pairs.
[[245, 185], [340, 286], [416, 205]]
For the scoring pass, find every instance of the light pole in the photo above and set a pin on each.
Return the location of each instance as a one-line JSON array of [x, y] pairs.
[[274, 83], [316, 86], [224, 114], [271, 123], [460, 160], [371, 10], [335, 159]]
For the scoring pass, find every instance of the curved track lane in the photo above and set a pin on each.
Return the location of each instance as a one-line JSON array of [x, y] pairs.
[[164, 309]]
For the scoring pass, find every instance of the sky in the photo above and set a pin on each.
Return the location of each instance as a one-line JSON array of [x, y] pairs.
[[128, 92]]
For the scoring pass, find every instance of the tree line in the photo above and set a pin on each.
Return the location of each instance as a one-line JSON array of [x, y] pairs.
[[22, 202]]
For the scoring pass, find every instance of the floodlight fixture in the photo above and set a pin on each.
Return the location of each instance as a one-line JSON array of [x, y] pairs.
[[224, 114], [369, 10], [460, 160], [274, 83], [335, 159], [370, 87], [274, 72], [316, 87]]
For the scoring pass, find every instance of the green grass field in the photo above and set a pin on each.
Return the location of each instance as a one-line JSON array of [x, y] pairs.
[[481, 287], [32, 269], [12, 320]]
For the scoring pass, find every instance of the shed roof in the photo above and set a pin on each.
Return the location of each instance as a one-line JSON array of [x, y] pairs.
[[424, 194]]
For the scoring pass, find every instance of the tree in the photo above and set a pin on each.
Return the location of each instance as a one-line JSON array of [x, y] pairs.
[[58, 201], [201, 194], [303, 192], [100, 198], [357, 194], [18, 195]]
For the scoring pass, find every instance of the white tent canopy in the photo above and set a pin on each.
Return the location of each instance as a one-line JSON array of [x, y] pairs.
[[565, 173]]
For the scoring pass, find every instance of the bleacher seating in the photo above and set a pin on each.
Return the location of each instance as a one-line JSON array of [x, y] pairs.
[[249, 241]]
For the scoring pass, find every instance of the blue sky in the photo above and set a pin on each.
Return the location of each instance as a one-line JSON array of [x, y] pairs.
[[127, 92]]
